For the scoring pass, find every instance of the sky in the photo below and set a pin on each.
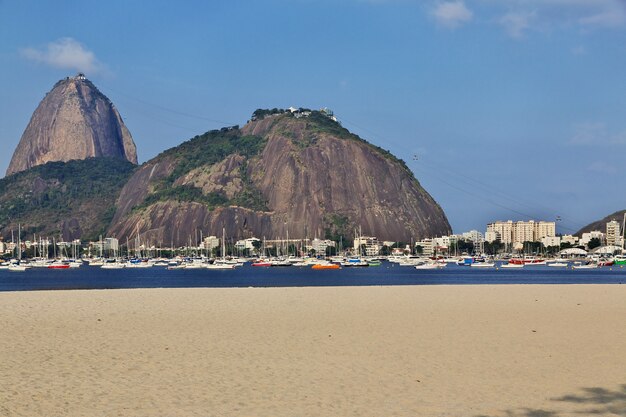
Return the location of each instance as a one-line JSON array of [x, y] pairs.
[[503, 109]]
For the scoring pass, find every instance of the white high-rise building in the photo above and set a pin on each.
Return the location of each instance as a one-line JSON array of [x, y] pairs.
[[516, 233], [523, 232], [503, 231], [544, 229], [613, 233], [491, 236]]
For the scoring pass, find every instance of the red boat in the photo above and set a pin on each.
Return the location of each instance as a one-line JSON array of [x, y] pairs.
[[262, 263], [58, 266], [529, 260]]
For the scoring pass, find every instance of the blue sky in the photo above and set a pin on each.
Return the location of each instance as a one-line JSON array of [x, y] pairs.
[[503, 109]]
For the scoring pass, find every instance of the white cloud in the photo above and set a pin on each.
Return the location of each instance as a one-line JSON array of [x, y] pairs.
[[65, 53], [596, 134], [589, 134], [517, 23], [608, 18], [518, 17], [602, 168], [451, 14], [583, 13]]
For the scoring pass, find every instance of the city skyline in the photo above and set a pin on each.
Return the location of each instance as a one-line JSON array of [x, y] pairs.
[[501, 109]]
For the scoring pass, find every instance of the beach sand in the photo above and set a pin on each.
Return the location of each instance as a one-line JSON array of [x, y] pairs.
[[508, 350]]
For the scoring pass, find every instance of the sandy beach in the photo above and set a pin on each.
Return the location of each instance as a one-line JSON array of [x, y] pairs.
[[518, 350]]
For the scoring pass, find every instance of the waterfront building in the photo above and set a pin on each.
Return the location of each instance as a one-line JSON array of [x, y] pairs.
[[372, 246], [320, 245], [502, 231], [523, 232], [572, 240], [109, 245], [613, 234], [248, 244], [516, 233], [491, 236], [477, 239], [587, 237], [210, 243], [544, 229], [428, 248], [548, 241]]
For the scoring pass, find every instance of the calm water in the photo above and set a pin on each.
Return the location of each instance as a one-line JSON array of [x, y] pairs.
[[247, 276]]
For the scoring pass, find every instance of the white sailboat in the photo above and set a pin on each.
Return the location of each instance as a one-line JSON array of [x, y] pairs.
[[222, 263]]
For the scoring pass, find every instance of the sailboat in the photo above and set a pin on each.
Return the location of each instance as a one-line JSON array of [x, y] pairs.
[[621, 259], [19, 266], [222, 264]]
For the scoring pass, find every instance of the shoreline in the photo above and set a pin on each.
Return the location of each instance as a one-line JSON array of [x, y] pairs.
[[405, 350], [462, 284]]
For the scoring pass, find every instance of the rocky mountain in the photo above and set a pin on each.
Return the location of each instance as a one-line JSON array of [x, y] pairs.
[[601, 224], [63, 200], [73, 121], [299, 173]]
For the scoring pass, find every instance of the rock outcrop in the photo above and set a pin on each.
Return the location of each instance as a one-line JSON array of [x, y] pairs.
[[73, 121], [307, 175]]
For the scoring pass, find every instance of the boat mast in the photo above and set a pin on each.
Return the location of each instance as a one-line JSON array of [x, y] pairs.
[[223, 244], [623, 232]]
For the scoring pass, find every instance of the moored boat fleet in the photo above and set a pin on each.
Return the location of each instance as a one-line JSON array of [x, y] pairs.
[[326, 263]]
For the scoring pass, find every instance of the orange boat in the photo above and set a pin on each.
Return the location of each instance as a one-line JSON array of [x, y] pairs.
[[325, 266]]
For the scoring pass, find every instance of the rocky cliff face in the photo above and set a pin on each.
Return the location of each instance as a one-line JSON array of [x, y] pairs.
[[73, 121], [308, 176]]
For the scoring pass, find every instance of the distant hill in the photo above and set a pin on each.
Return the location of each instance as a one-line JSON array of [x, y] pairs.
[[601, 224], [68, 200], [73, 121], [300, 173]]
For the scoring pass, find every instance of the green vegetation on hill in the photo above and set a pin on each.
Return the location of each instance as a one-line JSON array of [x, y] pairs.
[[205, 150], [320, 122], [211, 148], [214, 146], [45, 196]]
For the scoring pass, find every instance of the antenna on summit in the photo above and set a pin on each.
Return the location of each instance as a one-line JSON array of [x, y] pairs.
[[80, 76]]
